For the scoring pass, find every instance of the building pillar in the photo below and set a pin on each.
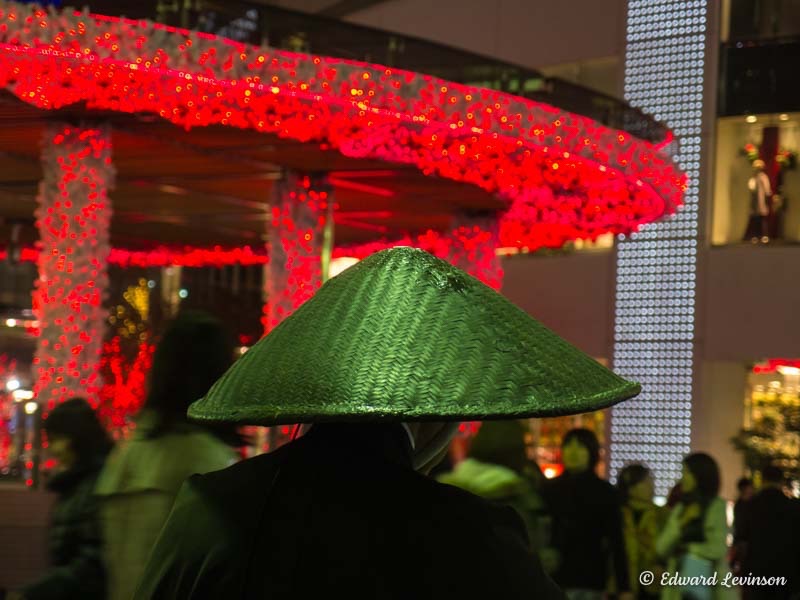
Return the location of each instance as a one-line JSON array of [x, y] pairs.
[[299, 245], [296, 240], [656, 339], [72, 216]]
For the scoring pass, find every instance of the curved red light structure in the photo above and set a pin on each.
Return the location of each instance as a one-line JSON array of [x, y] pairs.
[[564, 175]]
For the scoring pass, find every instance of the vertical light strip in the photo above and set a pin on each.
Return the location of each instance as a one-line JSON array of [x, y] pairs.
[[654, 329]]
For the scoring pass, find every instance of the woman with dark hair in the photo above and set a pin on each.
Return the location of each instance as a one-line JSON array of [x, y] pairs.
[[587, 523], [642, 521], [142, 478], [79, 444], [694, 539]]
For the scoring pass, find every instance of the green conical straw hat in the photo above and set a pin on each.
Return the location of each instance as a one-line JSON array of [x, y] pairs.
[[405, 336]]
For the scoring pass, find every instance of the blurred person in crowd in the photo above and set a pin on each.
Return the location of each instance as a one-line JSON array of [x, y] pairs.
[[745, 491], [499, 470], [79, 444], [587, 523], [382, 363], [642, 521], [674, 495], [142, 477], [693, 541], [769, 537]]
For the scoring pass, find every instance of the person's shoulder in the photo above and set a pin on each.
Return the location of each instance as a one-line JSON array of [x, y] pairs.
[[203, 445], [461, 506], [717, 506], [601, 489], [225, 502], [496, 542], [241, 478]]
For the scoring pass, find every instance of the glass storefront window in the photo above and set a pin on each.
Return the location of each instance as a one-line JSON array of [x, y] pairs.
[[757, 202], [771, 432], [760, 19]]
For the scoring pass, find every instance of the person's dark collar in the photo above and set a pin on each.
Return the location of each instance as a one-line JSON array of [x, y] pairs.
[[385, 440]]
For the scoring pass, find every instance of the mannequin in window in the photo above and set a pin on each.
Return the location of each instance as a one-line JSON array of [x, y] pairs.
[[760, 199]]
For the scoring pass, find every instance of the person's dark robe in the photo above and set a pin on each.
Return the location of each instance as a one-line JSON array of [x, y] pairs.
[[587, 532], [769, 535], [75, 539], [339, 513]]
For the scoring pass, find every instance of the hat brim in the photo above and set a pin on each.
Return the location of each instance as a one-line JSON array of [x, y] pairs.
[[404, 336]]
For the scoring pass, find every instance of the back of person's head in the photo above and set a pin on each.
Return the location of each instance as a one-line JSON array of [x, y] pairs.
[[706, 473], [193, 353], [77, 421], [587, 439], [630, 476], [772, 475], [743, 484], [501, 443]]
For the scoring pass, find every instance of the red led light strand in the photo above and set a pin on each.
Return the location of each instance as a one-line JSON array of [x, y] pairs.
[[469, 247], [295, 234], [566, 175], [124, 384], [171, 257], [771, 365], [474, 240], [72, 216], [438, 243]]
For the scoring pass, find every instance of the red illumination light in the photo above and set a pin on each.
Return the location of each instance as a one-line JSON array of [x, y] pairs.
[[72, 274], [771, 365], [296, 231], [125, 383], [501, 143], [469, 248]]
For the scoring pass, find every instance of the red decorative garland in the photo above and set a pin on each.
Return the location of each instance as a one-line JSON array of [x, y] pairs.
[[299, 209], [73, 217], [771, 365], [124, 388], [566, 175]]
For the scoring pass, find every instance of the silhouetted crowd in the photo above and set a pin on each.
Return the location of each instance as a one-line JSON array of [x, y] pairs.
[[351, 507]]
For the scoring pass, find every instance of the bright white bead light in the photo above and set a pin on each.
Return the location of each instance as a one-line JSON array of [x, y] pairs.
[[656, 267]]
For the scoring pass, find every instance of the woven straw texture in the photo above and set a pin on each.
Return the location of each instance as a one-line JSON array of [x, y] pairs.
[[405, 336]]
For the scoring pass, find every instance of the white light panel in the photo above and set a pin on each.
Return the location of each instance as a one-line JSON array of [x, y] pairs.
[[656, 268]]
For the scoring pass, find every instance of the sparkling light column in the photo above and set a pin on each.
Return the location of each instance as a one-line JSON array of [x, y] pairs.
[[296, 230], [654, 337], [72, 216]]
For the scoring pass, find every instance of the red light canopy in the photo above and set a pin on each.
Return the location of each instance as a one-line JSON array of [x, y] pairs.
[[563, 176]]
